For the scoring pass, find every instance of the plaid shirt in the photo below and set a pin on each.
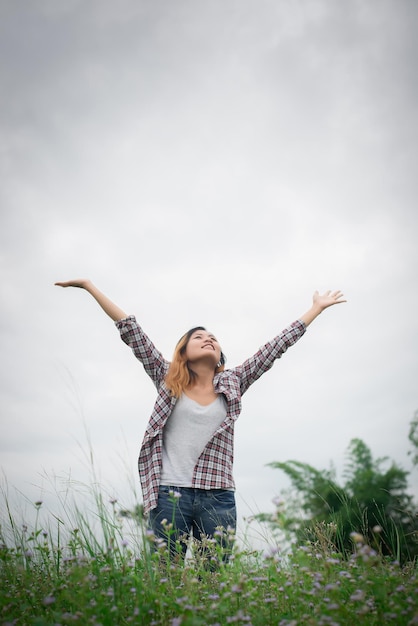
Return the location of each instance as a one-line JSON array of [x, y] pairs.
[[214, 467]]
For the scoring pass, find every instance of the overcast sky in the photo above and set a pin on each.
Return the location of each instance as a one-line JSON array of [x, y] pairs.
[[206, 162]]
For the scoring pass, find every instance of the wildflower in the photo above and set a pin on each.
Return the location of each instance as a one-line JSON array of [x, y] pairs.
[[48, 600], [174, 494], [358, 595], [38, 504], [366, 553], [150, 536], [160, 543], [91, 577], [377, 529], [278, 502], [270, 552], [357, 537], [239, 617]]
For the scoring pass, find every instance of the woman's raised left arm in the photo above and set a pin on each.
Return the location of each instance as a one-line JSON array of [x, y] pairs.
[[320, 303]]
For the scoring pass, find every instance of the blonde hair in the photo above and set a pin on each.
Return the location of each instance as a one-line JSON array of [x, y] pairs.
[[179, 375]]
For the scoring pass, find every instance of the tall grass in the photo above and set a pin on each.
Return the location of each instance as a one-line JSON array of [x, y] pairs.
[[93, 566]]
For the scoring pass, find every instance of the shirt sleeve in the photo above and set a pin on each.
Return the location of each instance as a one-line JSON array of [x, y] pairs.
[[265, 357], [154, 363]]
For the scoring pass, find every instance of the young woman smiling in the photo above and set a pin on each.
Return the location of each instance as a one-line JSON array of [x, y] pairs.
[[186, 458]]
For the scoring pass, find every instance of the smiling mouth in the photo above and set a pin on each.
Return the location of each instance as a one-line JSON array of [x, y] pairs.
[[208, 345]]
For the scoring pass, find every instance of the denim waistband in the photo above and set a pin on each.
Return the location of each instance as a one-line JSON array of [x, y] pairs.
[[175, 488]]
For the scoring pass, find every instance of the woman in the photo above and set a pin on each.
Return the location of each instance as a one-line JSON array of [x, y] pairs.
[[185, 462]]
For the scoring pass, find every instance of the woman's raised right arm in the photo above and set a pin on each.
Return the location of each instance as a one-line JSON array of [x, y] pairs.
[[109, 307]]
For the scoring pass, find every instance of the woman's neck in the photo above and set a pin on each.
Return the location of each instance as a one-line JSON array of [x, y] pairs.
[[201, 389], [203, 377]]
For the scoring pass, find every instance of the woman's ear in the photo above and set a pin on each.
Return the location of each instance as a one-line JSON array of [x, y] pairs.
[[222, 360]]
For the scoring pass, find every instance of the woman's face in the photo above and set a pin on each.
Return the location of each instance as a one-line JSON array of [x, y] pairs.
[[203, 346]]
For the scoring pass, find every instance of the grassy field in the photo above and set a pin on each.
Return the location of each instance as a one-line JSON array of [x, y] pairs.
[[95, 570]]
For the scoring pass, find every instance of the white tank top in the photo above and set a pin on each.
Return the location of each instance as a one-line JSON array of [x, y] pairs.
[[186, 433]]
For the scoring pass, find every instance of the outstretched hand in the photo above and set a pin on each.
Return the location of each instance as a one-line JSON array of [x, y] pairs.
[[320, 303], [79, 282], [109, 307], [328, 299]]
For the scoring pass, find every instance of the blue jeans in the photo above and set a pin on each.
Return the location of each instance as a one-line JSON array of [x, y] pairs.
[[182, 511]]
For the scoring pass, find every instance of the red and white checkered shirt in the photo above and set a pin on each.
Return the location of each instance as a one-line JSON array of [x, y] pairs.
[[214, 467]]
